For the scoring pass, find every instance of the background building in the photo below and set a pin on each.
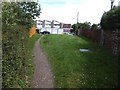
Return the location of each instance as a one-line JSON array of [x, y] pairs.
[[54, 27]]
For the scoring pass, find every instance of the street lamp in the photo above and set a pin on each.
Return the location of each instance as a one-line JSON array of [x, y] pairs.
[[112, 1]]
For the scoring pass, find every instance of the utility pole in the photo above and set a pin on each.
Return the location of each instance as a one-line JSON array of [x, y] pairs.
[[77, 23], [77, 17]]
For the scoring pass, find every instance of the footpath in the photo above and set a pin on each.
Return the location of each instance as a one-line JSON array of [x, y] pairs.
[[42, 77]]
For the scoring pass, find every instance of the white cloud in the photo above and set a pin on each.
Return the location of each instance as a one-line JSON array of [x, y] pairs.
[[89, 10]]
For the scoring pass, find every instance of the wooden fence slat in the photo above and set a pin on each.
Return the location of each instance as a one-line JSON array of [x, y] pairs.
[[108, 38]]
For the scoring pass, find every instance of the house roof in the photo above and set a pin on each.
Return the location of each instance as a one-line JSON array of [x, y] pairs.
[[66, 25]]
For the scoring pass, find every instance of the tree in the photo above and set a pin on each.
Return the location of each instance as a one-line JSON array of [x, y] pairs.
[[95, 26], [74, 26], [32, 9], [85, 25], [111, 19]]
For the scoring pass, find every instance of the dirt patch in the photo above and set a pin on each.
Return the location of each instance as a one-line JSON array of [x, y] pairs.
[[42, 77]]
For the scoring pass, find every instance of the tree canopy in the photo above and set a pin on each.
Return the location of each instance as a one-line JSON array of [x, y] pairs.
[[111, 19], [86, 25]]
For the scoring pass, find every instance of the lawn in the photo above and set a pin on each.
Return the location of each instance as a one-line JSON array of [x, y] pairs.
[[33, 39], [74, 69]]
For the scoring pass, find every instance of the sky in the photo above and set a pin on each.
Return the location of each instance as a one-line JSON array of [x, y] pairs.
[[65, 11]]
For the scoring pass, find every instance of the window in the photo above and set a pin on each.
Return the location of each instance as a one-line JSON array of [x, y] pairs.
[[39, 23]]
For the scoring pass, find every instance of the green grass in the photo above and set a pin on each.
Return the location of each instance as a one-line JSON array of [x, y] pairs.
[[32, 40], [75, 69]]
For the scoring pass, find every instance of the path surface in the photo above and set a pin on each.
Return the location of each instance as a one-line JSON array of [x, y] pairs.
[[42, 77]]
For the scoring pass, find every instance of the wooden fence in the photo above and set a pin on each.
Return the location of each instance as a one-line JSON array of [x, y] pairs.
[[94, 35], [108, 38]]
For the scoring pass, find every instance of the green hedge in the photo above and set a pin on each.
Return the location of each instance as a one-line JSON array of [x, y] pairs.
[[16, 56], [17, 65]]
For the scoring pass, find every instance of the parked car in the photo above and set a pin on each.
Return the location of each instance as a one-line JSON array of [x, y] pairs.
[[37, 30], [45, 32]]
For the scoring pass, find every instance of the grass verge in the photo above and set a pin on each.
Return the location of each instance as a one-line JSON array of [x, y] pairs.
[[32, 40], [75, 69]]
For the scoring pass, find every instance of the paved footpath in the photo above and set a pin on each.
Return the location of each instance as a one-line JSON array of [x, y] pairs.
[[42, 77]]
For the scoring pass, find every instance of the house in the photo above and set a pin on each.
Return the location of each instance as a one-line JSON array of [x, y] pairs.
[[66, 28], [54, 27]]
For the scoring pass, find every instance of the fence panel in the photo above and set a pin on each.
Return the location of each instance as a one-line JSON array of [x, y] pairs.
[[108, 38], [116, 42]]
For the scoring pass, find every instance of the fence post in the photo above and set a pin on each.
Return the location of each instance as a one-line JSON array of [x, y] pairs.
[[78, 32]]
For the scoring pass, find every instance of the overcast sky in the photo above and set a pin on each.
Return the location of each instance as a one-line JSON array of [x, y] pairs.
[[66, 10]]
